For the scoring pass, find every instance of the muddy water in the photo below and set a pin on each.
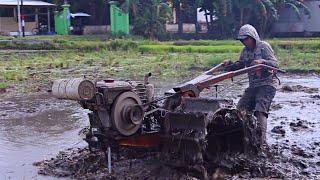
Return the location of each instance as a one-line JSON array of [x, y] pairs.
[[36, 127], [298, 113]]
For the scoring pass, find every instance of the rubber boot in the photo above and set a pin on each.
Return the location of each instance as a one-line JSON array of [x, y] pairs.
[[262, 125]]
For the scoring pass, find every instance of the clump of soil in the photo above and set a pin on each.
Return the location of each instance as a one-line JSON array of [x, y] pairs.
[[276, 106], [300, 152], [315, 96], [299, 88], [295, 126], [278, 130]]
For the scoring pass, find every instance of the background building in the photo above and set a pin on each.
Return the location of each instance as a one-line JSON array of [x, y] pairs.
[[289, 22], [36, 13]]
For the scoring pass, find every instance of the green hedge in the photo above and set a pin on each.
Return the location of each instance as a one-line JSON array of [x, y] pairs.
[[207, 43], [94, 43], [189, 48]]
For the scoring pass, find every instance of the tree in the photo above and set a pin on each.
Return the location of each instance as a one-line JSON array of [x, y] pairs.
[[177, 7], [259, 13], [190, 11], [296, 5], [151, 17], [230, 15], [96, 8], [224, 18], [221, 16]]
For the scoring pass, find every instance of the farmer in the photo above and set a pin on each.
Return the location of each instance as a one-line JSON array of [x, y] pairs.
[[258, 96]]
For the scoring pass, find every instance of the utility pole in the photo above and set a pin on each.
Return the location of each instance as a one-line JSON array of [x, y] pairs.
[[19, 18], [23, 22]]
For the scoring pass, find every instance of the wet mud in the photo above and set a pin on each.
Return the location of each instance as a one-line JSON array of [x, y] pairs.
[[130, 163], [36, 127], [80, 163], [299, 88]]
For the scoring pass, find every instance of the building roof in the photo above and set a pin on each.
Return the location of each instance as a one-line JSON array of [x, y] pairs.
[[25, 3], [79, 14]]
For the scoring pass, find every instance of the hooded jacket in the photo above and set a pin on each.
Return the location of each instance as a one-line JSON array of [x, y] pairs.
[[261, 51]]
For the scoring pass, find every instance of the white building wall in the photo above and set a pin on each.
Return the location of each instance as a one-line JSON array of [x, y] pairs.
[[312, 24], [290, 23]]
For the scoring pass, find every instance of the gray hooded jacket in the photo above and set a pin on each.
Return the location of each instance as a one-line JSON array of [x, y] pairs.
[[262, 51]]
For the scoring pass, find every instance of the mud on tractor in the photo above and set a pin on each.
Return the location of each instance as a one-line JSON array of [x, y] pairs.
[[189, 131]]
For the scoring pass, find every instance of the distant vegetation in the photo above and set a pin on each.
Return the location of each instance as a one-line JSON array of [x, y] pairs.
[[74, 56], [224, 17]]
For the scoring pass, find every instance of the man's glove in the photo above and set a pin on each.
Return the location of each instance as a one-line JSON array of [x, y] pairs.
[[257, 61], [226, 62]]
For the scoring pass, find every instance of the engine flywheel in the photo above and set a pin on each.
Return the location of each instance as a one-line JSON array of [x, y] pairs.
[[127, 114]]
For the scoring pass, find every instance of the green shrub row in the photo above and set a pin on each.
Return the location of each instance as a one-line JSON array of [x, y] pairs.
[[94, 43], [189, 48]]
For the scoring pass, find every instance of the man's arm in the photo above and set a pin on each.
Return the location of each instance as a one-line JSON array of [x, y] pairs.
[[268, 56], [232, 66]]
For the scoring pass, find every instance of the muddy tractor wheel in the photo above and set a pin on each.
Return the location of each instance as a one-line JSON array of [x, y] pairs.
[[225, 132]]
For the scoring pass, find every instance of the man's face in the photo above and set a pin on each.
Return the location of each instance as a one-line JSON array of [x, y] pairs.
[[249, 42]]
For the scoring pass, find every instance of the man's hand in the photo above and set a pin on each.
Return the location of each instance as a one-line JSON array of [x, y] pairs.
[[257, 61], [226, 62]]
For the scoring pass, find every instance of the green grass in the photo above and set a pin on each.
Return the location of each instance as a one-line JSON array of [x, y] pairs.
[[3, 85], [295, 60], [133, 57], [207, 43], [12, 75]]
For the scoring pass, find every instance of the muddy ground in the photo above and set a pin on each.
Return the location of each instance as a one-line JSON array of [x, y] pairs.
[[36, 127]]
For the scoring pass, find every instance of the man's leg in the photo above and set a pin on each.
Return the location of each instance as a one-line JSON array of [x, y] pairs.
[[264, 99], [247, 101], [262, 125]]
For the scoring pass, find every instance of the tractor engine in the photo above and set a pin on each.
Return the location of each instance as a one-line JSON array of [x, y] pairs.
[[116, 107]]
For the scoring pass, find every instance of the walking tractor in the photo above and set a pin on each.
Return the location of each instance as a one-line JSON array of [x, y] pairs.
[[188, 130]]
